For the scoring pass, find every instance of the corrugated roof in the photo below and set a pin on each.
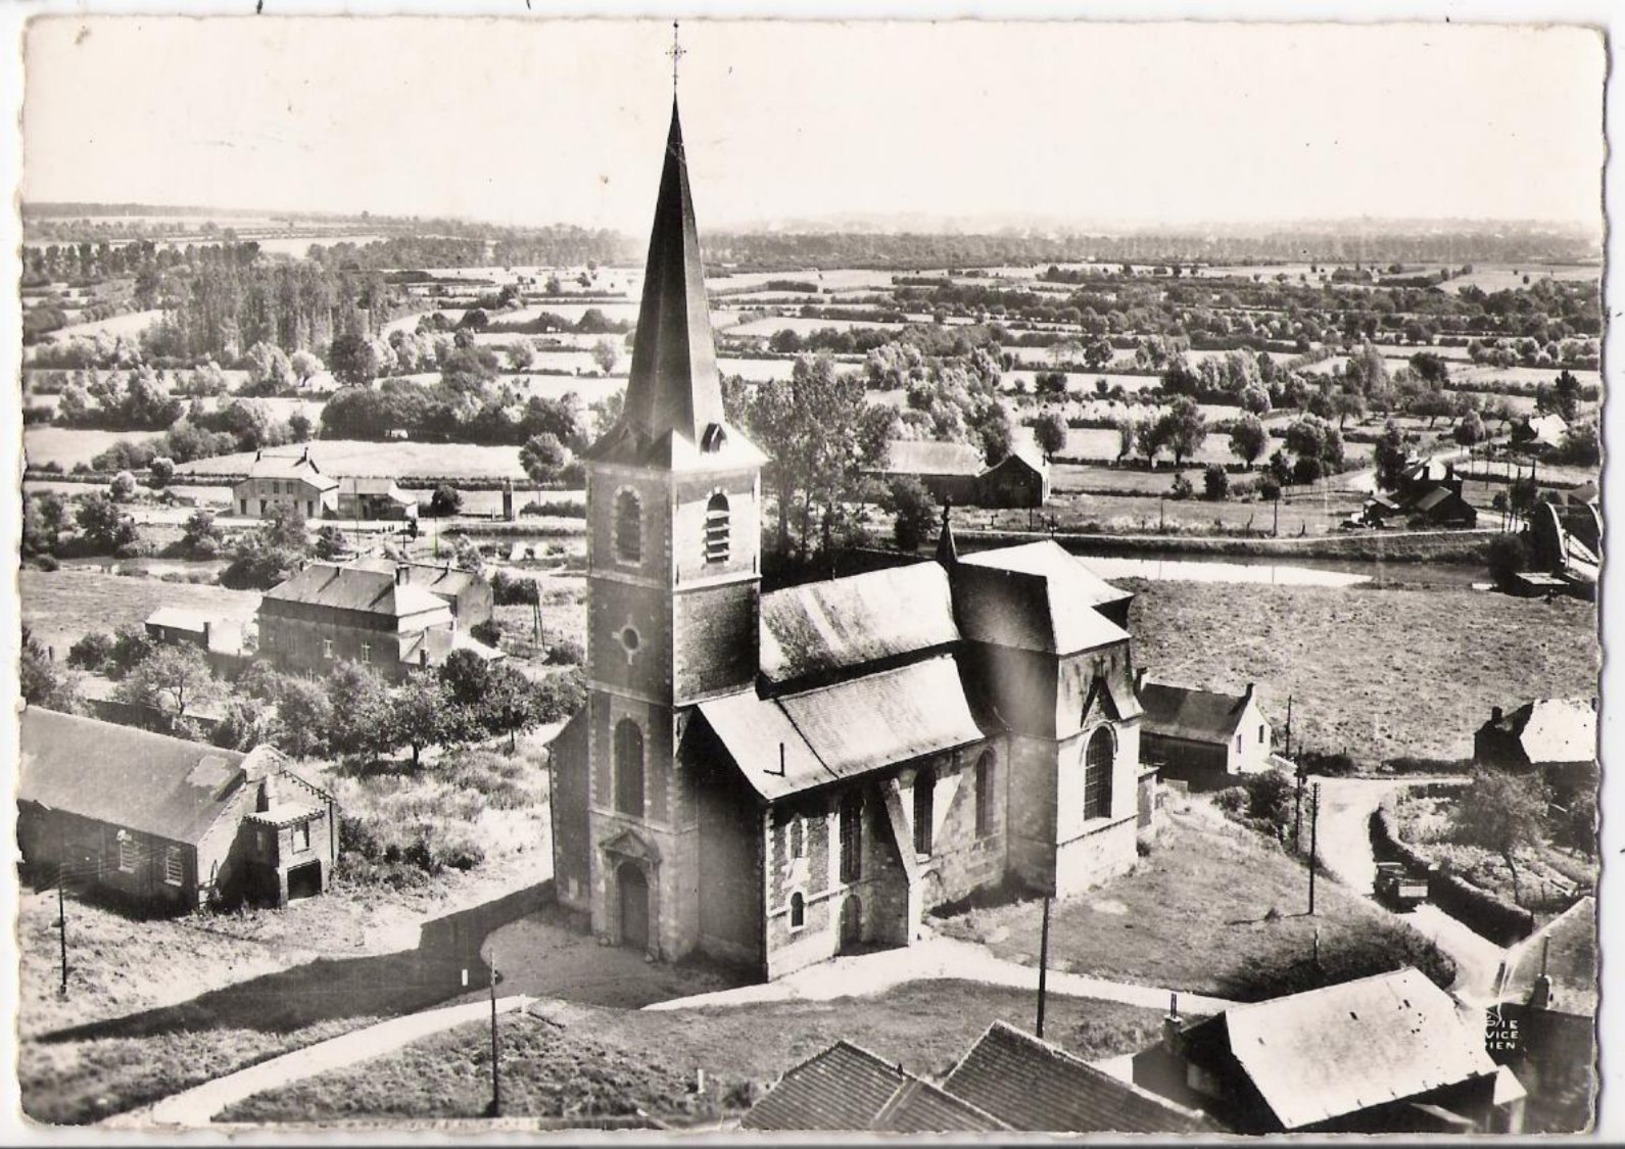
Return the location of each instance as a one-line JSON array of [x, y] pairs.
[[1188, 713], [929, 457], [1035, 597], [167, 787], [1338, 1050], [842, 1088], [353, 588], [821, 627], [920, 1107], [1035, 1087], [1556, 729], [840, 731]]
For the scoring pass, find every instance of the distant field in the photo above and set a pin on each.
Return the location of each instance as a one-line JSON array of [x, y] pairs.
[[131, 324], [767, 325], [1506, 277], [63, 606], [66, 445], [1377, 673], [386, 460]]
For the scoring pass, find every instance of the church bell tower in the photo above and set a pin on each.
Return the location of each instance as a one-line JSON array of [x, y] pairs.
[[673, 589]]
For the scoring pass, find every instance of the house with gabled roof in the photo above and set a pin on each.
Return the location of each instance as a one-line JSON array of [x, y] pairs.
[[1389, 1053], [1556, 737], [1207, 738], [289, 482], [770, 778], [167, 822]]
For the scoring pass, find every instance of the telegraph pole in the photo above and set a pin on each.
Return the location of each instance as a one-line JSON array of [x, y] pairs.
[[496, 1076], [1043, 966], [62, 923], [1314, 827], [1289, 726]]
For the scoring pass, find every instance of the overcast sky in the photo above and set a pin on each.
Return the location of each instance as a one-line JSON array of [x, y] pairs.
[[531, 121]]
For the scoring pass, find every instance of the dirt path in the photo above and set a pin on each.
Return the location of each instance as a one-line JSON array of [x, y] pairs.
[[1345, 848], [936, 958]]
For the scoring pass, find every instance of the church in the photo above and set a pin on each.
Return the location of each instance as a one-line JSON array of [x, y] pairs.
[[769, 779]]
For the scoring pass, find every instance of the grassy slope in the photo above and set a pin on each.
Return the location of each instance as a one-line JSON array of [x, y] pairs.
[[1193, 916], [1378, 673], [62, 606], [592, 1060]]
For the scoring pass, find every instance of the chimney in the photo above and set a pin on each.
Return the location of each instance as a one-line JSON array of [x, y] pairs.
[[400, 574], [207, 627], [423, 654], [1247, 695], [1139, 680], [1495, 714], [1541, 996], [1171, 1024]]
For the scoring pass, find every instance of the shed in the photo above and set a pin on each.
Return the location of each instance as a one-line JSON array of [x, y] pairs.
[[1204, 737]]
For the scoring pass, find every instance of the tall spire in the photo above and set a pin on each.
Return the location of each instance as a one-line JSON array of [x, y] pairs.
[[673, 385]]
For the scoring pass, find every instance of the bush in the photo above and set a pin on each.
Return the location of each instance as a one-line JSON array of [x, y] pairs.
[[565, 652], [487, 632], [91, 652], [1329, 765], [1182, 488], [46, 563], [1269, 488], [908, 499], [514, 590], [445, 501], [560, 695], [1215, 483], [1482, 912], [556, 508]]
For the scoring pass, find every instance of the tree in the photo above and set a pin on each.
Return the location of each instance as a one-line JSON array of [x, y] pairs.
[[91, 652], [1248, 438], [466, 677], [1390, 456], [105, 528], [606, 355], [40, 682], [1049, 429], [45, 517], [169, 680], [354, 360], [1185, 429], [1098, 354], [1507, 555], [421, 715], [1215, 483], [446, 501], [122, 488], [1566, 396], [1125, 438], [1149, 436], [362, 710], [1255, 400], [161, 470], [1469, 430], [543, 458], [330, 543], [521, 356], [305, 366], [1431, 369], [509, 704], [299, 427], [269, 369], [304, 717], [1502, 812], [200, 538], [908, 499]]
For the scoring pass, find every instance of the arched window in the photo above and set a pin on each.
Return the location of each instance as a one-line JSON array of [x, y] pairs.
[[925, 784], [1097, 775], [852, 838], [798, 911], [798, 838], [628, 527], [984, 794], [716, 529], [628, 768]]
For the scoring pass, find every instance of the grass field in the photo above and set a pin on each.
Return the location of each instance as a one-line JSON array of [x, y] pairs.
[[1373, 672], [585, 1061], [356, 457], [1216, 909], [61, 606], [69, 445]]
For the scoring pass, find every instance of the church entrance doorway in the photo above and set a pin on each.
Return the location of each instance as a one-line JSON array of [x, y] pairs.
[[634, 891]]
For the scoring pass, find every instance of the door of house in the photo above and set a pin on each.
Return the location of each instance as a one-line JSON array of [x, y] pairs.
[[305, 881], [851, 922], [634, 906]]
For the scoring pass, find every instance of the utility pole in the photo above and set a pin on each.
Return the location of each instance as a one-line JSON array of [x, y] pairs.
[[62, 923], [1275, 530], [496, 1076], [1297, 816], [1289, 726], [1314, 828], [1043, 966]]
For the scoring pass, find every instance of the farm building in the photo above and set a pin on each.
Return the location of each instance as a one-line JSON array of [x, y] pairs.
[[772, 778], [466, 592], [1203, 737], [957, 473], [1540, 432], [1390, 1053], [166, 821], [289, 482], [377, 499], [328, 614], [1020, 480], [221, 640], [1429, 492], [1557, 736], [1443, 506]]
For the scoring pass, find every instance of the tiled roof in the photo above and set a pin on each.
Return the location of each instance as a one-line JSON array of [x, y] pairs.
[[1033, 1086], [1555, 729], [929, 457], [920, 1107], [844, 730], [351, 588], [1188, 713], [822, 627], [1338, 1050], [842, 1088], [1035, 597], [169, 787]]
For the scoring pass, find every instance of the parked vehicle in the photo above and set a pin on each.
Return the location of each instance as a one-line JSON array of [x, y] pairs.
[[1400, 888]]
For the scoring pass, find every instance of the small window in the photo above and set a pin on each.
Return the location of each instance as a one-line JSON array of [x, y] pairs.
[[366, 652], [242, 505], [174, 868], [716, 529], [628, 527], [301, 836], [1238, 743], [798, 911], [327, 648], [925, 784], [984, 794], [798, 838], [1097, 775], [127, 854], [851, 838], [628, 768], [1261, 736]]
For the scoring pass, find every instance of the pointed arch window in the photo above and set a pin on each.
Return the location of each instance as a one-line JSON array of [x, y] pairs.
[[628, 768], [1097, 775], [628, 527], [984, 794], [716, 529]]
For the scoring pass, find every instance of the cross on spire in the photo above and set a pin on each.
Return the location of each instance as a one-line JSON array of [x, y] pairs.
[[676, 53]]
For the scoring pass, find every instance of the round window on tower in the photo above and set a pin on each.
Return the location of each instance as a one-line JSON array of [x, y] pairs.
[[630, 639]]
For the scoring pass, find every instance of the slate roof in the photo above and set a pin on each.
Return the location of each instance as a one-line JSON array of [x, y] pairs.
[[353, 588], [171, 788], [291, 467], [920, 1107], [1033, 1086], [843, 1088], [1035, 597], [825, 627], [1554, 729], [844, 730], [440, 578], [929, 457], [177, 618], [1334, 1051], [1188, 713]]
